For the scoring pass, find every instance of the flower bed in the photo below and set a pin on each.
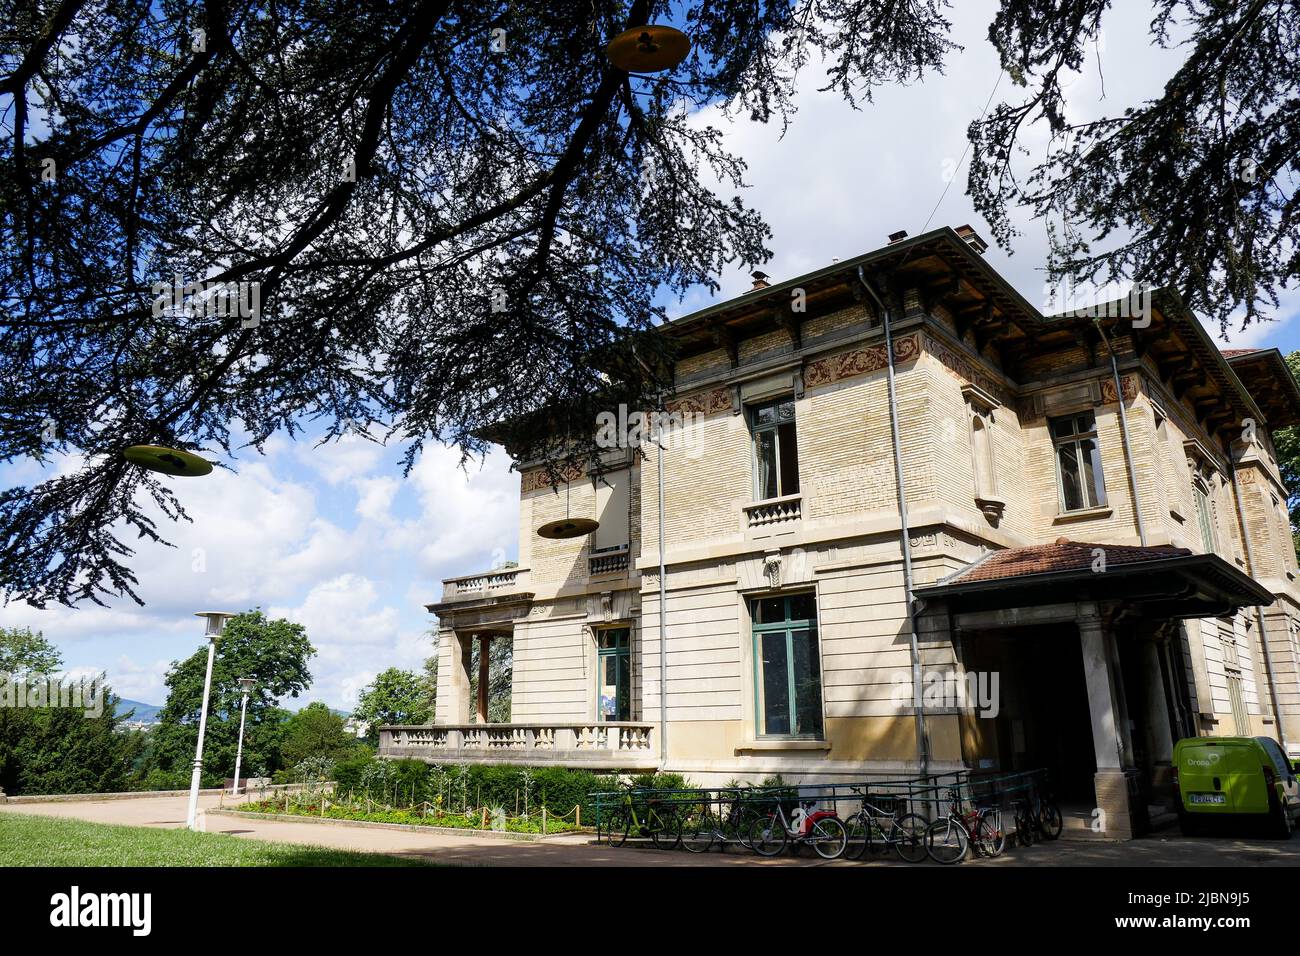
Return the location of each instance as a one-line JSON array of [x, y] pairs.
[[415, 816]]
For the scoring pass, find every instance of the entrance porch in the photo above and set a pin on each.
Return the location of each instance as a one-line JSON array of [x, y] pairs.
[[1089, 653]]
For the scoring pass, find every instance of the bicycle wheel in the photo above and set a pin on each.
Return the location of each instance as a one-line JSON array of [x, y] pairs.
[[1050, 822], [739, 829], [908, 837], [990, 838], [857, 836], [827, 838], [1024, 827], [698, 831], [614, 826], [665, 828], [946, 841], [767, 836]]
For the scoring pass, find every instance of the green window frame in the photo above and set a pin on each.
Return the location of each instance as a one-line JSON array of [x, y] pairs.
[[787, 667], [614, 672], [776, 449]]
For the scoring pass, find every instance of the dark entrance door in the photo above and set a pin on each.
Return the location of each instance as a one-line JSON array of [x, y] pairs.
[[1042, 719]]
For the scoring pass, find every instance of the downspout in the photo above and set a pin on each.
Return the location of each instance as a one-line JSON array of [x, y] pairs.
[[1259, 611], [663, 612], [1123, 431], [918, 699]]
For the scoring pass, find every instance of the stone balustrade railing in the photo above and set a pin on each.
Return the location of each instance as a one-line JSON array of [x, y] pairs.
[[608, 562], [609, 744], [776, 511], [485, 584]]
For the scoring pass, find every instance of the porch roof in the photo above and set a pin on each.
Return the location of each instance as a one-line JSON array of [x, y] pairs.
[[1161, 581]]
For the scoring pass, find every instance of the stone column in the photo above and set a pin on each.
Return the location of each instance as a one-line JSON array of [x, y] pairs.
[[484, 659], [452, 704], [1160, 738], [1109, 730]]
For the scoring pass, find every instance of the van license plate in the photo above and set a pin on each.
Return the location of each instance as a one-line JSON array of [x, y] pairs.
[[1216, 798]]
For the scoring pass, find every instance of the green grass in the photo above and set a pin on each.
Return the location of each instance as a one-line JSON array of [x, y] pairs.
[[58, 841]]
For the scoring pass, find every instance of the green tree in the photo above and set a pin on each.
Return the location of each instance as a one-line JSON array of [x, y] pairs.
[[539, 207], [1286, 442], [274, 653], [23, 651], [59, 749], [395, 697], [315, 731]]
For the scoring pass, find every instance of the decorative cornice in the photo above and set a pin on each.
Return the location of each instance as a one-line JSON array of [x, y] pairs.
[[861, 361]]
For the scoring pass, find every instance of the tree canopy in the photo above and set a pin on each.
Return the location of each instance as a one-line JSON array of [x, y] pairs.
[[24, 651], [433, 218], [274, 653], [315, 731], [395, 696]]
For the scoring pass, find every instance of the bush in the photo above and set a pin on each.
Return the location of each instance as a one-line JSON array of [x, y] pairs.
[[517, 790]]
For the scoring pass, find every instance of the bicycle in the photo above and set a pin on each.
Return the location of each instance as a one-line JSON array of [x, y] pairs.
[[655, 820], [881, 821], [703, 827], [1037, 817], [948, 840], [820, 829]]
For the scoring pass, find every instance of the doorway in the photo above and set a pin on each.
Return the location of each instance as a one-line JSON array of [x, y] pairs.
[[1043, 719], [613, 674]]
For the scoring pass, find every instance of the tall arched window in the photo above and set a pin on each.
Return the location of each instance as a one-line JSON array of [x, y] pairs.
[[986, 483]]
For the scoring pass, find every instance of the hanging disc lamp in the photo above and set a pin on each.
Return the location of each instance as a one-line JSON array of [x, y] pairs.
[[170, 461], [648, 49], [568, 527]]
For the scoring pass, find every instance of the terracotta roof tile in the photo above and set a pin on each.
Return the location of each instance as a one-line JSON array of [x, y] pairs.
[[1233, 353], [1062, 555]]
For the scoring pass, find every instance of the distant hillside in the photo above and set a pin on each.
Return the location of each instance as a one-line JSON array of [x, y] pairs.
[[146, 713]]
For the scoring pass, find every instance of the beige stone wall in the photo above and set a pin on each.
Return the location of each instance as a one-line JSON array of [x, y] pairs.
[[553, 670], [845, 547]]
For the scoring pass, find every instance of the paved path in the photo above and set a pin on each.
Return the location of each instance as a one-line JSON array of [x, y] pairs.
[[576, 850]]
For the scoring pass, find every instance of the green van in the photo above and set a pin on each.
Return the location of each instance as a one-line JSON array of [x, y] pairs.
[[1220, 777]]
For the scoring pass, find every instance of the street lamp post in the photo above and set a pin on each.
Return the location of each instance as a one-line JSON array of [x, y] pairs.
[[246, 685], [216, 623]]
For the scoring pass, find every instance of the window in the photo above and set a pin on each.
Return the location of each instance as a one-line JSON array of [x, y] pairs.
[[982, 448], [1201, 492], [787, 667], [776, 453], [1237, 701], [1078, 462], [611, 511], [613, 675]]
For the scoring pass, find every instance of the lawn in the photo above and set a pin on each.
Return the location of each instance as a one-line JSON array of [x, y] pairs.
[[58, 841]]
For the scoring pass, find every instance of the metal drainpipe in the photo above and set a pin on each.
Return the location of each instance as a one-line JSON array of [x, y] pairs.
[[663, 613], [918, 700], [1259, 611], [1123, 432]]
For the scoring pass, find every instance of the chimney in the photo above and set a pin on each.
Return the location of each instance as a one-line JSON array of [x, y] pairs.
[[897, 236], [760, 280], [972, 238]]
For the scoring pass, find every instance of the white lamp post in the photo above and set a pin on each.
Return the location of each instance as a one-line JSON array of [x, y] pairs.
[[246, 685], [216, 623]]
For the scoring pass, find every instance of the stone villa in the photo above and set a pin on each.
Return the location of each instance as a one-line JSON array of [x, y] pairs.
[[1092, 528]]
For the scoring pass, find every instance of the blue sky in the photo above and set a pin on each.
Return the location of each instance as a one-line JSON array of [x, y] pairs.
[[334, 537]]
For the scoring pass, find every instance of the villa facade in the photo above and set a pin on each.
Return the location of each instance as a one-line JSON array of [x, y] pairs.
[[1092, 527]]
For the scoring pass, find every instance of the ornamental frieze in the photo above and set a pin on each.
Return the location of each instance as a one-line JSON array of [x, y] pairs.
[[536, 478], [702, 403], [1108, 388], [962, 367], [833, 368]]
